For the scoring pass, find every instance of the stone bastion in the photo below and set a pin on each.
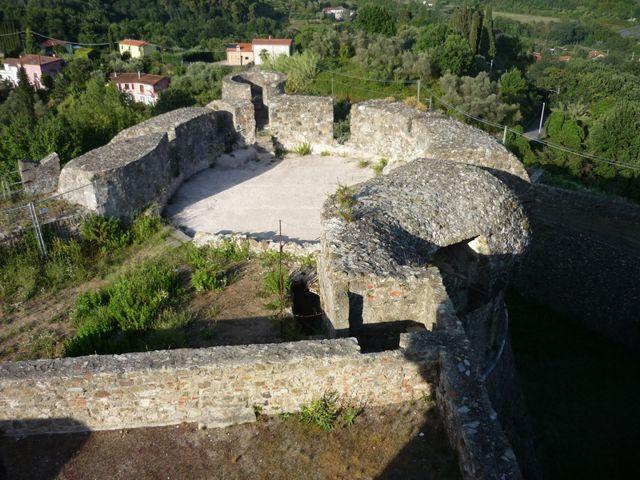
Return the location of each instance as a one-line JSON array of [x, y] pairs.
[[424, 252]]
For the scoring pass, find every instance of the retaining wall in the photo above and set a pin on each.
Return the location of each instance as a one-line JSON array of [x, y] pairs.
[[584, 260], [402, 133]]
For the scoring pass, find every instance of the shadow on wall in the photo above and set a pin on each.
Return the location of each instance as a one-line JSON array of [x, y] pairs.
[[21, 457]]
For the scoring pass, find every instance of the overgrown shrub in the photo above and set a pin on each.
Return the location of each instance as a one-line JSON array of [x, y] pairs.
[[379, 167], [107, 320], [214, 268]]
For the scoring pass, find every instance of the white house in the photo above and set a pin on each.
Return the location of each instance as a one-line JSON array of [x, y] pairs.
[[274, 47], [339, 13], [143, 87]]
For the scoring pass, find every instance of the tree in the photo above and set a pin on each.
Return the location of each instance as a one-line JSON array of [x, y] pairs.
[[172, 99], [616, 136], [479, 97], [568, 132], [474, 31], [432, 36], [455, 56], [513, 87], [375, 19], [488, 29]]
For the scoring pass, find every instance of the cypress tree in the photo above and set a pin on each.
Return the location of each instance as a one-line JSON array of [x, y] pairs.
[[474, 31], [489, 32]]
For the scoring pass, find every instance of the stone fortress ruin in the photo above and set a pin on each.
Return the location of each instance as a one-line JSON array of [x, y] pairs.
[[412, 274]]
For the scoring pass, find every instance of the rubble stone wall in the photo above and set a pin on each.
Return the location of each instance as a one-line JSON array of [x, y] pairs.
[[144, 164], [39, 178], [584, 260], [215, 386], [120, 179], [402, 133], [298, 119]]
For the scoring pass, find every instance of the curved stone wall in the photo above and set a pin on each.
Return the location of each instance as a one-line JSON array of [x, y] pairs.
[[402, 133], [144, 164]]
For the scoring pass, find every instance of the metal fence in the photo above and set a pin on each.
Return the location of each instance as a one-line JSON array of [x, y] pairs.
[[33, 226]]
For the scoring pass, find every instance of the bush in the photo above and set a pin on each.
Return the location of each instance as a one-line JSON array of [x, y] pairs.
[[379, 167], [328, 411], [135, 302], [214, 268]]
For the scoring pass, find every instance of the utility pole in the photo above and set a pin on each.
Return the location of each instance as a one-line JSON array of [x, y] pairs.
[[332, 87], [418, 90], [492, 64], [504, 136], [541, 118]]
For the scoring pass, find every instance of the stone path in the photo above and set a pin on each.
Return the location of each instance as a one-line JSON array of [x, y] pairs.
[[252, 197]]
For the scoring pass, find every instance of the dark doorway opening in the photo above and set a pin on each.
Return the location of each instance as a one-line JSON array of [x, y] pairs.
[[376, 337], [306, 305]]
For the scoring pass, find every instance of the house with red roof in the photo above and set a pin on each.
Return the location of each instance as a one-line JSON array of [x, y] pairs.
[[239, 54], [136, 48], [35, 66], [143, 87]]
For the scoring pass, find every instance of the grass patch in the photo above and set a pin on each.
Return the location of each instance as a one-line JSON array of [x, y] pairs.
[[379, 166], [276, 284], [345, 202], [363, 163], [303, 149], [327, 412], [214, 268], [325, 154], [23, 272], [113, 319]]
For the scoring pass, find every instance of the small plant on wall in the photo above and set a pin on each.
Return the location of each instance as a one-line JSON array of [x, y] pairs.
[[345, 202], [303, 149]]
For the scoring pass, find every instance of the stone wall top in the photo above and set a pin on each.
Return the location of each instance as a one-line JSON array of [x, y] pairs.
[[179, 359], [167, 122], [400, 220], [403, 133], [116, 155]]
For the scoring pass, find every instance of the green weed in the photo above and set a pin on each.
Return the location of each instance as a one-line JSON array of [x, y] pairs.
[[378, 168], [303, 149], [345, 202]]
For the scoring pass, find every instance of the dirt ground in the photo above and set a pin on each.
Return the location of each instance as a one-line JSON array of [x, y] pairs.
[[396, 442], [237, 315]]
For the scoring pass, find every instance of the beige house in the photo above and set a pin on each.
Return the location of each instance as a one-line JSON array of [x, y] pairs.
[[143, 87], [240, 54], [136, 48]]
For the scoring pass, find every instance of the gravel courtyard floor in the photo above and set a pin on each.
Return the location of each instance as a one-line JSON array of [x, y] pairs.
[[254, 196]]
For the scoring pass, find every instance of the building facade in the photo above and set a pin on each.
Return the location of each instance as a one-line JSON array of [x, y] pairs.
[[35, 66], [272, 47], [143, 87], [136, 48], [239, 54]]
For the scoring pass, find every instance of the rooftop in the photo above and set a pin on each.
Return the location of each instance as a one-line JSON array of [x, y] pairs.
[[272, 41], [144, 78], [243, 47], [133, 43], [32, 60]]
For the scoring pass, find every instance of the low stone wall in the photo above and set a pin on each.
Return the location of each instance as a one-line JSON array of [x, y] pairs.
[[215, 386], [584, 260], [298, 119], [39, 178], [146, 163], [120, 179], [237, 86], [401, 133]]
